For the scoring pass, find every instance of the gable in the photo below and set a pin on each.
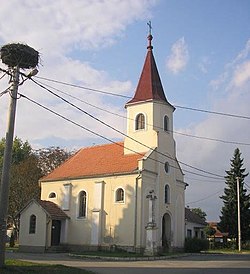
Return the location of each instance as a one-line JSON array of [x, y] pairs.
[[97, 160]]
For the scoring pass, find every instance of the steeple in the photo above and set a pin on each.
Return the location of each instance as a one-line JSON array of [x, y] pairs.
[[149, 87]]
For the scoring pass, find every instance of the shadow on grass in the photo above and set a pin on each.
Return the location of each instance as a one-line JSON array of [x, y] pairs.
[[15, 266]]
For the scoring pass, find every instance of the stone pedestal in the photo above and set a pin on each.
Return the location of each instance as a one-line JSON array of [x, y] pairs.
[[151, 244]]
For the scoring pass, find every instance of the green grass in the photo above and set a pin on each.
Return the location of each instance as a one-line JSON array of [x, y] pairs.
[[228, 251], [16, 266]]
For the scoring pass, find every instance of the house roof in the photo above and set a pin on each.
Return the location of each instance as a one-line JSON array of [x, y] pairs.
[[50, 208], [53, 210], [218, 233], [149, 86], [95, 161], [193, 218]]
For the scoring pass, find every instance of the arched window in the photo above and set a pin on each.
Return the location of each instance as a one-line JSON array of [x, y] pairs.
[[52, 195], [82, 204], [167, 194], [140, 122], [166, 123], [119, 195], [32, 227], [166, 167]]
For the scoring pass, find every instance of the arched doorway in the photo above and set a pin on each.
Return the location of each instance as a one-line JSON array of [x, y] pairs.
[[166, 232]]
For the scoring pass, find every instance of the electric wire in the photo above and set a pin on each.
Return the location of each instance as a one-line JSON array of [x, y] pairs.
[[205, 198], [3, 76], [120, 132], [105, 138], [128, 97], [127, 118], [4, 92], [82, 87]]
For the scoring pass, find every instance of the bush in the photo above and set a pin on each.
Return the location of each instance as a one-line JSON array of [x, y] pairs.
[[196, 245]]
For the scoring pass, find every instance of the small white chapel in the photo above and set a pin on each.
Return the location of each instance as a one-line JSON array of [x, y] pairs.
[[128, 195]]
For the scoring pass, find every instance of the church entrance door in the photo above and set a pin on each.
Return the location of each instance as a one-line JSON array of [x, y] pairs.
[[166, 232], [55, 232]]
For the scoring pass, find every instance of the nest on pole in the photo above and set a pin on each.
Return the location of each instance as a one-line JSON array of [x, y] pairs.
[[23, 56]]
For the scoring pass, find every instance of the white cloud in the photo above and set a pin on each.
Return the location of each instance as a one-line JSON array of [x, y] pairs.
[[57, 29], [241, 74], [179, 57], [215, 156]]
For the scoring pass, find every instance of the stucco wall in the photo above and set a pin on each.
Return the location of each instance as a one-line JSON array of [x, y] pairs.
[[116, 218], [38, 239]]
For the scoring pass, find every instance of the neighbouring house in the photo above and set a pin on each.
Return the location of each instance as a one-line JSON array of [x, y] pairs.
[[194, 225], [218, 237], [129, 194]]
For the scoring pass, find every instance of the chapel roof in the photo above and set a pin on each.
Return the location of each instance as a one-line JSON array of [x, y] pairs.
[[96, 161], [53, 210], [149, 86], [50, 208]]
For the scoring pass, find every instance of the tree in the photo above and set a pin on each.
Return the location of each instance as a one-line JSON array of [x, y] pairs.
[[229, 213], [50, 158], [202, 214], [24, 175]]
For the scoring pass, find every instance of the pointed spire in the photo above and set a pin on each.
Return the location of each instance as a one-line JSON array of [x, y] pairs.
[[149, 86]]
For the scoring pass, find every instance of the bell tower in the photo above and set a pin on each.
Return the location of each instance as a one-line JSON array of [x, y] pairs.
[[149, 114]]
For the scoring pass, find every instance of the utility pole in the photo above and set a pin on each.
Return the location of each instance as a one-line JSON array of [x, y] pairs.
[[4, 186], [238, 200]]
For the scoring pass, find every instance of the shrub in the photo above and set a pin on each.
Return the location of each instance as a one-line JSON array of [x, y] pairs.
[[195, 245]]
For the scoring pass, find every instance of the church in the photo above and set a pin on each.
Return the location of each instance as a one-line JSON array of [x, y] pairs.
[[128, 195]]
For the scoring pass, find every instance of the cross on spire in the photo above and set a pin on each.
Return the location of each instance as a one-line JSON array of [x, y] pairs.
[[150, 37], [149, 28]]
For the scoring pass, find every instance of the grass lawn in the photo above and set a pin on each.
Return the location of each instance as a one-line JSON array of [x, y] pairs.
[[15, 266]]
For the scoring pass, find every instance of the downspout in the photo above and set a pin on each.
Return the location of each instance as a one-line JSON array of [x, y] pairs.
[[135, 221]]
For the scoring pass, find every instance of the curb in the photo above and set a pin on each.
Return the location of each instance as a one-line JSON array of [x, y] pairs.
[[105, 258]]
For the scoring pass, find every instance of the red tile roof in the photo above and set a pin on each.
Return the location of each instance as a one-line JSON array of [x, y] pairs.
[[53, 210], [149, 86], [94, 161]]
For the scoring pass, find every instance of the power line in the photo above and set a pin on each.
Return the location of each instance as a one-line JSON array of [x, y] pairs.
[[203, 199], [127, 118], [129, 97], [82, 87], [214, 112], [109, 126], [103, 137]]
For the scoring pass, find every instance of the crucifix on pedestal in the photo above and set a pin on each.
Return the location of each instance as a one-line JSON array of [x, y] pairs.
[[151, 246]]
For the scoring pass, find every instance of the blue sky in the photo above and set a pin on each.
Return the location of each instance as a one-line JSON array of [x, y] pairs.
[[201, 49]]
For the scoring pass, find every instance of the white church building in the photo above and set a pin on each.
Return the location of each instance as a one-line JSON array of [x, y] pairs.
[[129, 194]]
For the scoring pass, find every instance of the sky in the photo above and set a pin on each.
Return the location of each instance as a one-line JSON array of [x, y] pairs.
[[202, 51]]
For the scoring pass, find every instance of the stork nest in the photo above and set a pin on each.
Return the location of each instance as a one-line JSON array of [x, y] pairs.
[[20, 55]]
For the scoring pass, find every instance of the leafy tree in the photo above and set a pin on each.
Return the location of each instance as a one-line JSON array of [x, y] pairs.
[[209, 231], [50, 158], [202, 214], [229, 213], [24, 175], [20, 151], [23, 186]]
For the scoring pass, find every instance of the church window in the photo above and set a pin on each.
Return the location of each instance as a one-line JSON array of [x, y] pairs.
[[119, 195], [32, 227], [52, 195], [166, 167], [167, 194], [82, 204], [140, 122], [166, 123]]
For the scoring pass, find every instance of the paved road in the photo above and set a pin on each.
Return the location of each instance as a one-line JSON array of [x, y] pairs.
[[193, 264]]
